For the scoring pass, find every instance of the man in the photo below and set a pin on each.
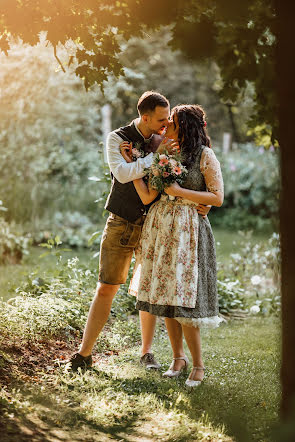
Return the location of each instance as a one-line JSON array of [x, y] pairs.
[[123, 227]]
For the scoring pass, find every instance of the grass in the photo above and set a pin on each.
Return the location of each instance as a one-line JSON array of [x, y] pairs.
[[12, 276], [119, 400], [228, 242]]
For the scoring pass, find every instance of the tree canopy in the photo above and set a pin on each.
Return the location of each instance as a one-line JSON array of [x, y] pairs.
[[240, 36]]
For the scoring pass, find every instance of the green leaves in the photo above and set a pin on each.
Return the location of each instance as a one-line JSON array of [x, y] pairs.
[[197, 39], [239, 36]]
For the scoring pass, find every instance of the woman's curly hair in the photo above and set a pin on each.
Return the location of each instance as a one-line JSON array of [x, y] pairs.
[[192, 131]]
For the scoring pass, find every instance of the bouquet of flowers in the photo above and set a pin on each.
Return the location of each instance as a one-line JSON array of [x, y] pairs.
[[165, 170]]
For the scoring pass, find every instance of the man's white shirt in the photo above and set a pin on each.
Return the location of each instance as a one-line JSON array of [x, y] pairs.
[[125, 172]]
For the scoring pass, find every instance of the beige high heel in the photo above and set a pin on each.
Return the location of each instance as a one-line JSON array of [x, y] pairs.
[[192, 383], [174, 373]]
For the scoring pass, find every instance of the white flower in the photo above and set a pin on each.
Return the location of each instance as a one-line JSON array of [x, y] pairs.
[[254, 309], [163, 157], [136, 152], [256, 279], [173, 162]]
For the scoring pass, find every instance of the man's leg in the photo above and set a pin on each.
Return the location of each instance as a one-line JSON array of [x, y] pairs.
[[97, 316]]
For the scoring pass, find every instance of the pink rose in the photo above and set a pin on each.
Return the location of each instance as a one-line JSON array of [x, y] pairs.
[[163, 162]]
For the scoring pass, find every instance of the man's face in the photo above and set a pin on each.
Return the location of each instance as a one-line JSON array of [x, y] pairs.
[[157, 121]]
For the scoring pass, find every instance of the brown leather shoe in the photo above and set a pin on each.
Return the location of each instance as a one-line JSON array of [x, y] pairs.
[[79, 361]]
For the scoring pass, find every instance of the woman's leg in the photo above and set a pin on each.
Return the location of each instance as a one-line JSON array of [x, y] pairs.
[[193, 340], [175, 336], [147, 325]]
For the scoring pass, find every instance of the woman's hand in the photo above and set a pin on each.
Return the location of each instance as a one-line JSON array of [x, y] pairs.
[[173, 190], [203, 210], [126, 151], [171, 146]]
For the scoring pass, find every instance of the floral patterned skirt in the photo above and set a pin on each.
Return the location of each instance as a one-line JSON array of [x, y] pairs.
[[175, 271]]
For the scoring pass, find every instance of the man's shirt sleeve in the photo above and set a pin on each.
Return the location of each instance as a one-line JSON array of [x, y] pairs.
[[125, 172]]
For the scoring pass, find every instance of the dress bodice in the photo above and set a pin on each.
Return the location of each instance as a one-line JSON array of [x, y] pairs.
[[205, 173]]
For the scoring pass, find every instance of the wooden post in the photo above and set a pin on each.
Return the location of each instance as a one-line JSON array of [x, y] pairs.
[[106, 113], [226, 145]]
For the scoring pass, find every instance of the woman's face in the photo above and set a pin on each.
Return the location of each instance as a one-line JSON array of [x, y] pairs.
[[173, 127]]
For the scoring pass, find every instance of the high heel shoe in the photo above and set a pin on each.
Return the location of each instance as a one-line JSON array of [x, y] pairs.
[[191, 382], [174, 373]]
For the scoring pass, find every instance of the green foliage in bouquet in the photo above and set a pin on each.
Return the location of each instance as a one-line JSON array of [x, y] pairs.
[[166, 170]]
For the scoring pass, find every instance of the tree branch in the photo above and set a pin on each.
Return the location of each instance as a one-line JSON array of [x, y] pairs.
[[59, 62]]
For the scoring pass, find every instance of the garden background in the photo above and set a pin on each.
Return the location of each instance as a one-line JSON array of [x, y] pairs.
[[54, 182]]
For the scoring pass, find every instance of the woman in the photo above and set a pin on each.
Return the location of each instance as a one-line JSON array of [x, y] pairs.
[[176, 262]]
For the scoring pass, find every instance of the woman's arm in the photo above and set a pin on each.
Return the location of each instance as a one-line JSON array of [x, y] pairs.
[[210, 168], [146, 193]]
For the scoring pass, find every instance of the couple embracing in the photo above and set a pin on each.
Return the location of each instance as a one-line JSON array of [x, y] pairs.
[[175, 270]]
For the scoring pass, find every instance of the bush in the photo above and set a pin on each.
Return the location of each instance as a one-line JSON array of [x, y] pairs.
[[49, 137], [251, 278], [252, 185], [73, 228], [57, 306], [230, 296], [13, 245]]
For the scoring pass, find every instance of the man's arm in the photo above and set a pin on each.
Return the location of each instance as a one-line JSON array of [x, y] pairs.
[[125, 172]]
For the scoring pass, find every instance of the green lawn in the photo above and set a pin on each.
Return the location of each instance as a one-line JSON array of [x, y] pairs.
[[11, 276], [119, 400]]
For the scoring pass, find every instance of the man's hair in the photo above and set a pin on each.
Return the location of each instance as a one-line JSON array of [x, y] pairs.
[[149, 101]]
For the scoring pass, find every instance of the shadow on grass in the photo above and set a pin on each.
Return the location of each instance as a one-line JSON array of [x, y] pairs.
[[54, 421], [223, 411]]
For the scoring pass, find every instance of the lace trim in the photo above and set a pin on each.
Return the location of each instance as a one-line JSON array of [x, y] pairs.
[[212, 322]]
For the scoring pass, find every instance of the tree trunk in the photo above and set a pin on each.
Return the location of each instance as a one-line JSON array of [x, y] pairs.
[[286, 96]]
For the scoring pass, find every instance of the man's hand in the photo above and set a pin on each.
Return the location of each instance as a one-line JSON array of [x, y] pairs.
[[168, 145], [126, 151], [203, 210]]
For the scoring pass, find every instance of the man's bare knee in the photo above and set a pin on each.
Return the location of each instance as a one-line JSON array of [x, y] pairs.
[[106, 290]]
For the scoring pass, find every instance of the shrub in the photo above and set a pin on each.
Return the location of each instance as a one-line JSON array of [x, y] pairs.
[[252, 276], [57, 306], [252, 185], [13, 245], [73, 228], [230, 296]]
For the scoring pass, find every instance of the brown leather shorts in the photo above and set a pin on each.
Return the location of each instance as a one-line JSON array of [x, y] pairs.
[[119, 240]]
